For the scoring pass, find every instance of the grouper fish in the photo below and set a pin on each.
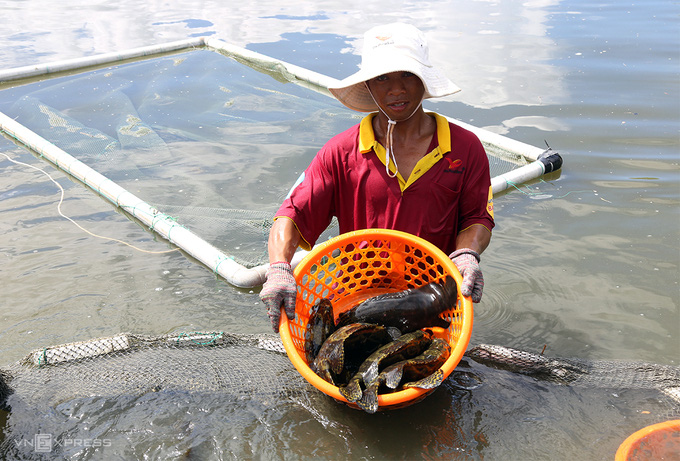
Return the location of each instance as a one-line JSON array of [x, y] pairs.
[[319, 327], [344, 351], [405, 347], [423, 371], [407, 310]]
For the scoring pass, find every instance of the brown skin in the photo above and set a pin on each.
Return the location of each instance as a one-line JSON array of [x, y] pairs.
[[399, 94], [284, 238]]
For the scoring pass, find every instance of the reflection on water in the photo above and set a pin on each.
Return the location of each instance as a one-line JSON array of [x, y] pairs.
[[500, 53], [586, 264]]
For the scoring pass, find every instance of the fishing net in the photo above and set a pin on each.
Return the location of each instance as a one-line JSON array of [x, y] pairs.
[[129, 364], [210, 142], [612, 374], [214, 145], [99, 390]]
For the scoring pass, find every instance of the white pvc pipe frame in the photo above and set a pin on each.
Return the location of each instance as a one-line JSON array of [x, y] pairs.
[[223, 265]]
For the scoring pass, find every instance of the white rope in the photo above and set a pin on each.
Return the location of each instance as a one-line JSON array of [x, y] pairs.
[[389, 139], [61, 200]]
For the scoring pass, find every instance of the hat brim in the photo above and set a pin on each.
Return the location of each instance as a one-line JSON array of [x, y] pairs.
[[352, 91]]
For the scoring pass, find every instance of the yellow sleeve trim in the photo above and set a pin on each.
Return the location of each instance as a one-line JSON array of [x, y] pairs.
[[489, 203], [475, 224]]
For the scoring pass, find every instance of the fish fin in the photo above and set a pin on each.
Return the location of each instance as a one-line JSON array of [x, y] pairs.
[[352, 391], [394, 332], [369, 401], [339, 364], [324, 371], [393, 377], [429, 382], [371, 373]]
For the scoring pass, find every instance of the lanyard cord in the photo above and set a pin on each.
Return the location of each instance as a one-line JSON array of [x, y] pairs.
[[389, 151]]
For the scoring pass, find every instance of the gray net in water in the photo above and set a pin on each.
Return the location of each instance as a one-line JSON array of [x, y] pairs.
[[129, 364], [211, 142], [207, 393]]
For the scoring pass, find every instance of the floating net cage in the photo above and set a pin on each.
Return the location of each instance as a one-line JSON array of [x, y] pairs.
[[202, 393], [194, 140], [186, 138]]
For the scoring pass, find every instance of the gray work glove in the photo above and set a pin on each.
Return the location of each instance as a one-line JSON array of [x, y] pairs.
[[467, 262], [279, 290]]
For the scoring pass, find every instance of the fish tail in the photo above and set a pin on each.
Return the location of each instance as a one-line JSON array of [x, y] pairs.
[[450, 290], [352, 391], [441, 323], [369, 400], [393, 377]]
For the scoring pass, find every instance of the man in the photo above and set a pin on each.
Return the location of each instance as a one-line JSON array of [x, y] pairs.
[[400, 168]]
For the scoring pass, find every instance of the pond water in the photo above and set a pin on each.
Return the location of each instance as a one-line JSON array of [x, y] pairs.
[[586, 263]]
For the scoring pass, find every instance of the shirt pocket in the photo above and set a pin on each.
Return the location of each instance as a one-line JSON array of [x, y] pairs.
[[442, 208]]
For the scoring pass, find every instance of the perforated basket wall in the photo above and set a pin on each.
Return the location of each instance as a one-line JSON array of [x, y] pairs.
[[358, 265]]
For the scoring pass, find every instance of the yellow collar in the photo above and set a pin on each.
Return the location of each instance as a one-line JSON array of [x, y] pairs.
[[368, 143]]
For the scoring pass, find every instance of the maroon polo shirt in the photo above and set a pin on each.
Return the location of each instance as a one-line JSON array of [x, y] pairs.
[[448, 191]]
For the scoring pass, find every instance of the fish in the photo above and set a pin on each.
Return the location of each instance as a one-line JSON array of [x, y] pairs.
[[407, 310], [320, 326], [345, 350], [423, 371], [402, 348]]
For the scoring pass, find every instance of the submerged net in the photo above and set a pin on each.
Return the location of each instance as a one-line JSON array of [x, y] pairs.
[[100, 390], [253, 365], [203, 138], [197, 135], [129, 364]]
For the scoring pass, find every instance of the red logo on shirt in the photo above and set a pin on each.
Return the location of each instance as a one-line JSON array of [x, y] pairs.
[[455, 166]]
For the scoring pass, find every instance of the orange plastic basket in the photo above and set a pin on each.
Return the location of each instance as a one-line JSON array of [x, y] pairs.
[[655, 442], [358, 265]]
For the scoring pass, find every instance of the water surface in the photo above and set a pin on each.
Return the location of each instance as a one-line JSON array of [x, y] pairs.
[[585, 264]]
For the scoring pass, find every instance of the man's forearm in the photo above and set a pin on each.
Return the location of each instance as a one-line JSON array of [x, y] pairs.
[[475, 237], [284, 239]]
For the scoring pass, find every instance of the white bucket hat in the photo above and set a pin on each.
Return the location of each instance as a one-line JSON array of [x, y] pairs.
[[392, 48]]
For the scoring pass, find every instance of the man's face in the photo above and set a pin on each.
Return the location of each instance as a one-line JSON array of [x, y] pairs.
[[397, 93]]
